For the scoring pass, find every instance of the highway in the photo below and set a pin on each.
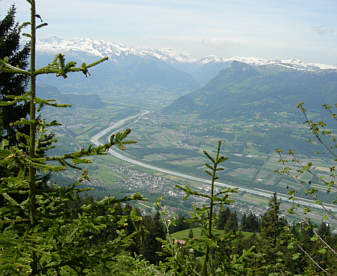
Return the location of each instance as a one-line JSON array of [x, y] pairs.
[[119, 154]]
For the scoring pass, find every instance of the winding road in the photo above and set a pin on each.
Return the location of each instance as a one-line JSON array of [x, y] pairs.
[[260, 192]]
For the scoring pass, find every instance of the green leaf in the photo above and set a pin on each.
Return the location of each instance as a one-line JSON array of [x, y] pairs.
[[314, 238], [296, 256], [322, 251]]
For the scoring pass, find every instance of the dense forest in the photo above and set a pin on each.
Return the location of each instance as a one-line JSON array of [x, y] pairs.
[[49, 229]]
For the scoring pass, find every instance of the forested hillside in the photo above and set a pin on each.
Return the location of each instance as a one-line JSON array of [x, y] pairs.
[[243, 90], [53, 229]]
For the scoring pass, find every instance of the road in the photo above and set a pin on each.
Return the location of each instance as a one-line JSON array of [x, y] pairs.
[[255, 191]]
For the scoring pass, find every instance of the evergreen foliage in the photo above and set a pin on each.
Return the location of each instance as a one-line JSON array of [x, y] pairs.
[[180, 223], [12, 84], [40, 235], [12, 133], [232, 223], [271, 223], [152, 231], [271, 228], [222, 218], [252, 223], [243, 223], [190, 234], [204, 216]]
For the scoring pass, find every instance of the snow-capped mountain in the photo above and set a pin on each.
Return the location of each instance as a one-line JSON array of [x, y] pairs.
[[127, 68], [138, 69], [102, 48]]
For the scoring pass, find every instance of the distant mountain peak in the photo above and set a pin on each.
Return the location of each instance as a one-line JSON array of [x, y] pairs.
[[93, 47], [211, 59], [101, 48], [292, 63]]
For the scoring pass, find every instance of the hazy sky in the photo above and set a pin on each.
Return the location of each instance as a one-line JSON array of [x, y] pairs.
[[303, 29]]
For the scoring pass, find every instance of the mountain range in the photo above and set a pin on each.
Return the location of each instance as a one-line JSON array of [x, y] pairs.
[[140, 70], [100, 48]]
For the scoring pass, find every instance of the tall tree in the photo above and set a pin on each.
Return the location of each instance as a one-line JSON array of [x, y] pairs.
[[271, 223], [12, 84], [324, 230], [39, 235], [271, 230], [154, 229], [252, 223], [180, 224], [223, 216], [232, 223], [243, 224]]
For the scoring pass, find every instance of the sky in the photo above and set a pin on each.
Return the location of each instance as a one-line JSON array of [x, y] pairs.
[[278, 29]]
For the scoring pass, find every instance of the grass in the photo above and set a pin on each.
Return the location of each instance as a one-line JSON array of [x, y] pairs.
[[182, 235], [108, 177]]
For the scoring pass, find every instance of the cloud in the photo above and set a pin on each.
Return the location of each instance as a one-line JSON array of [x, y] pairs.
[[325, 31], [246, 43], [222, 43]]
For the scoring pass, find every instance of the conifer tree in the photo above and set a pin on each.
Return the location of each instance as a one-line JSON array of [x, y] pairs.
[[204, 216], [180, 223], [223, 217], [12, 84], [271, 229], [232, 223], [252, 223], [15, 85], [152, 231], [190, 234], [243, 223], [40, 235], [271, 225], [324, 230]]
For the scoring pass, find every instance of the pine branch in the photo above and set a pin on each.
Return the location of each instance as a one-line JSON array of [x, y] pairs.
[[61, 69], [8, 68], [312, 260], [325, 243]]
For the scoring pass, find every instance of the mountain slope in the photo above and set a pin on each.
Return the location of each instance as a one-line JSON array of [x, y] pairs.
[[76, 100], [244, 90]]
